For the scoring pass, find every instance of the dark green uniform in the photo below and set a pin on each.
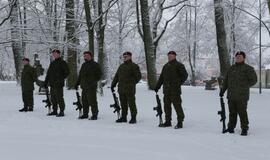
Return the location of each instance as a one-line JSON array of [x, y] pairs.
[[27, 82], [89, 75], [55, 78], [173, 75], [239, 78], [127, 76]]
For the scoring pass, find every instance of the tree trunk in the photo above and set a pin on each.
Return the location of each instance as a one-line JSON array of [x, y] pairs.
[[268, 3], [188, 39], [195, 36], [232, 38], [16, 43], [221, 38], [55, 23], [148, 45], [71, 42], [88, 17]]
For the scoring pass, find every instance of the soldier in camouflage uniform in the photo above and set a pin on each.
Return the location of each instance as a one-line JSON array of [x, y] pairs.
[[239, 78], [57, 73], [89, 75], [173, 75], [127, 76], [27, 83]]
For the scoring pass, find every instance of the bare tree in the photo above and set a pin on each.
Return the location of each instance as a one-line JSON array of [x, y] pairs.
[[221, 37], [90, 28], [148, 45], [72, 43], [15, 38]]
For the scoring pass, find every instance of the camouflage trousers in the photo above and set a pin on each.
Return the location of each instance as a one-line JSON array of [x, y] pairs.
[[177, 103], [57, 98], [128, 101], [238, 108], [28, 99], [89, 98]]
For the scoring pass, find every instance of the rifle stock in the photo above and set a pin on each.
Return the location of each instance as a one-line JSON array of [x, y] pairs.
[[78, 103], [158, 108], [116, 105], [222, 114], [47, 101]]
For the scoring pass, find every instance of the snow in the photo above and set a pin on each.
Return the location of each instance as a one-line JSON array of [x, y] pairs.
[[35, 136]]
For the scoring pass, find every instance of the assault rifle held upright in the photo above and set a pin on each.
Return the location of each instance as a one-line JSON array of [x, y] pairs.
[[116, 105], [158, 108], [222, 114], [78, 103], [47, 100]]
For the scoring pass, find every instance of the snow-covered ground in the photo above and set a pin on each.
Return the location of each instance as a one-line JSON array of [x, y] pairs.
[[35, 136]]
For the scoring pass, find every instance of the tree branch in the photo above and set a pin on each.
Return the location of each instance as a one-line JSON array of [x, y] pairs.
[[104, 12], [11, 9], [252, 16], [138, 19], [156, 40], [174, 5]]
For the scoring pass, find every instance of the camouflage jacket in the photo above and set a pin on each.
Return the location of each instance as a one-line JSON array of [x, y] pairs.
[[28, 78], [127, 76], [239, 78], [57, 73], [172, 76], [89, 75]]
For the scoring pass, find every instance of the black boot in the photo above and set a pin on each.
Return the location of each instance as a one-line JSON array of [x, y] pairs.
[[93, 117], [230, 130], [121, 120], [84, 116], [53, 113], [24, 109], [166, 124], [133, 120], [30, 109], [179, 125], [61, 114], [244, 132]]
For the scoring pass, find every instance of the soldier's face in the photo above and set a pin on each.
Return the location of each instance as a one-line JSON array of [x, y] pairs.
[[87, 57], [239, 58], [56, 55], [171, 57], [126, 57], [25, 62]]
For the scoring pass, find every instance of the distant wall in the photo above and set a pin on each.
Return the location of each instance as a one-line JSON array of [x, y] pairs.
[[265, 79]]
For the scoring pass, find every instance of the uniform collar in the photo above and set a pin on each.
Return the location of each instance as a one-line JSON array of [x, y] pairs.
[[127, 62], [240, 64], [58, 59], [173, 61]]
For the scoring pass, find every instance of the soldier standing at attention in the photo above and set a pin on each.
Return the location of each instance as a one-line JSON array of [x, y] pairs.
[[57, 73], [27, 83], [127, 76], [239, 78], [89, 75], [173, 75]]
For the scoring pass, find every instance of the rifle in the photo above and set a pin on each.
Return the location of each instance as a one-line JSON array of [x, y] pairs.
[[116, 105], [222, 114], [78, 103], [47, 100], [158, 108]]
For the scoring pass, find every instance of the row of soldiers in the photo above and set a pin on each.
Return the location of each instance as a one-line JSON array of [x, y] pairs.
[[239, 79]]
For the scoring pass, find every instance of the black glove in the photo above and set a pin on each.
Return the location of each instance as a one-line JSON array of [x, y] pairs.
[[45, 85], [112, 89], [221, 94], [156, 90]]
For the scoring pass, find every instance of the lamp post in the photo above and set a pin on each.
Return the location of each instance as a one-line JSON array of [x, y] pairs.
[[260, 48]]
